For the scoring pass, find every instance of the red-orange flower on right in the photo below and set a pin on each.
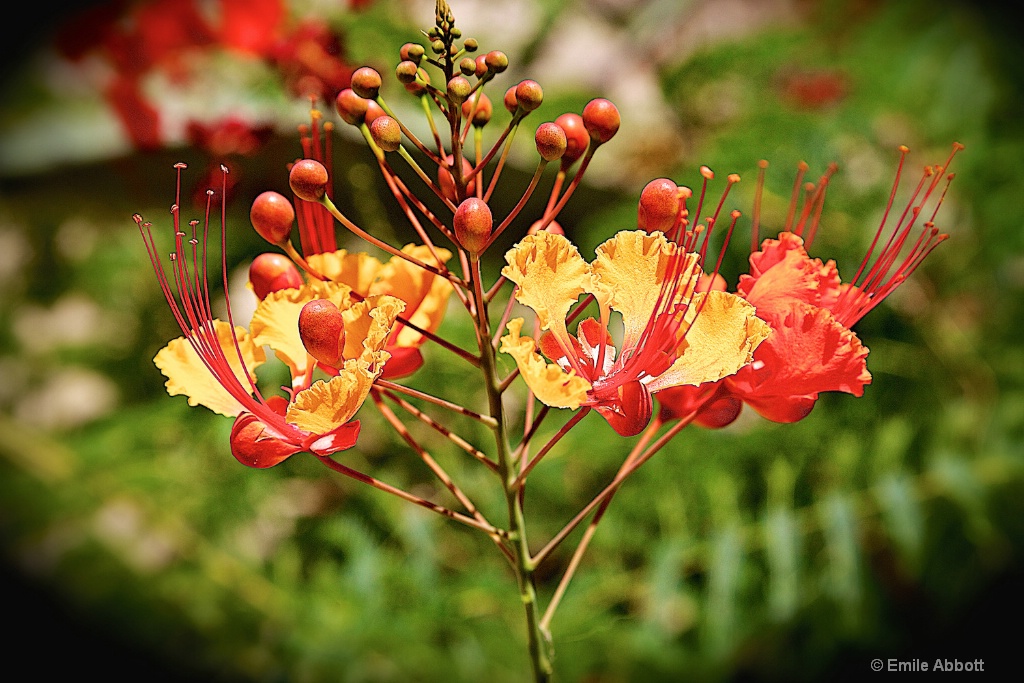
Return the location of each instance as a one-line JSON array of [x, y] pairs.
[[812, 348]]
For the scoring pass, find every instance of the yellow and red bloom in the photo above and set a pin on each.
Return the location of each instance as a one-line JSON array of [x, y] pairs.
[[213, 363], [812, 348], [671, 334]]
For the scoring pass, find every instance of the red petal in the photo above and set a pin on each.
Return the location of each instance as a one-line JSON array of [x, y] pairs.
[[404, 361], [340, 439], [633, 410], [251, 445]]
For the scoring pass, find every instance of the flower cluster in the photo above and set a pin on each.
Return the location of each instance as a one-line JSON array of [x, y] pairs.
[[661, 325]]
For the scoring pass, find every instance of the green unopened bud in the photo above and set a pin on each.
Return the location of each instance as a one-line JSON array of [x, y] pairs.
[[437, 47], [471, 45], [411, 52], [467, 65], [405, 72], [459, 89]]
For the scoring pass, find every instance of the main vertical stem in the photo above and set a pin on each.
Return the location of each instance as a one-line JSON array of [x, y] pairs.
[[539, 644]]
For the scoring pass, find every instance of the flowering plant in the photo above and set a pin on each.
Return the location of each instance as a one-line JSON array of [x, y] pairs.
[[662, 326]]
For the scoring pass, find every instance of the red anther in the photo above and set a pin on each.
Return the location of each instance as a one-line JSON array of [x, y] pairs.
[[472, 223], [308, 179], [386, 133], [351, 107], [551, 141], [366, 82], [707, 173], [483, 112], [271, 272], [658, 208], [601, 119], [576, 136], [529, 95], [510, 101], [272, 216], [322, 330], [446, 182]]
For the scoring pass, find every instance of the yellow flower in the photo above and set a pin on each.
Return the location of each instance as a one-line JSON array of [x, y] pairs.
[[671, 334]]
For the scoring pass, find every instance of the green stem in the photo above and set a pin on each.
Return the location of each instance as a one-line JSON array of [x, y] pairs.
[[540, 647]]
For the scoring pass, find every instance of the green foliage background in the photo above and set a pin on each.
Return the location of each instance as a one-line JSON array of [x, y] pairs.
[[884, 526]]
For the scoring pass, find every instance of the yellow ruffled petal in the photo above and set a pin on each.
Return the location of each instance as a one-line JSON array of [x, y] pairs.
[[326, 405], [276, 320], [551, 276], [631, 267], [368, 324], [721, 340], [187, 374], [549, 383], [358, 270], [425, 294]]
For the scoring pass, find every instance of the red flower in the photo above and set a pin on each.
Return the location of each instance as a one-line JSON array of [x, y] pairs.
[[812, 348]]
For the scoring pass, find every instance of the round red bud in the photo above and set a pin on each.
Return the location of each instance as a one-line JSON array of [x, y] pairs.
[[576, 137], [459, 89], [322, 331], [271, 272], [481, 65], [496, 61], [658, 206], [412, 52], [472, 224], [510, 101], [386, 133], [484, 109], [601, 119], [551, 141], [446, 181], [553, 227], [406, 71], [351, 107], [366, 82], [418, 86], [272, 216], [373, 111], [529, 95], [308, 179]]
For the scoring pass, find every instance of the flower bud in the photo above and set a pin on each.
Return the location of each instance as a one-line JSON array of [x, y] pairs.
[[322, 331], [483, 110], [658, 206], [373, 111], [366, 82], [437, 47], [601, 119], [406, 71], [459, 89], [467, 65], [446, 181], [551, 141], [481, 65], [351, 107], [308, 179], [553, 227], [576, 138], [386, 133], [271, 272], [471, 44], [529, 95], [412, 52], [272, 216], [472, 224], [496, 61], [510, 101], [417, 87]]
